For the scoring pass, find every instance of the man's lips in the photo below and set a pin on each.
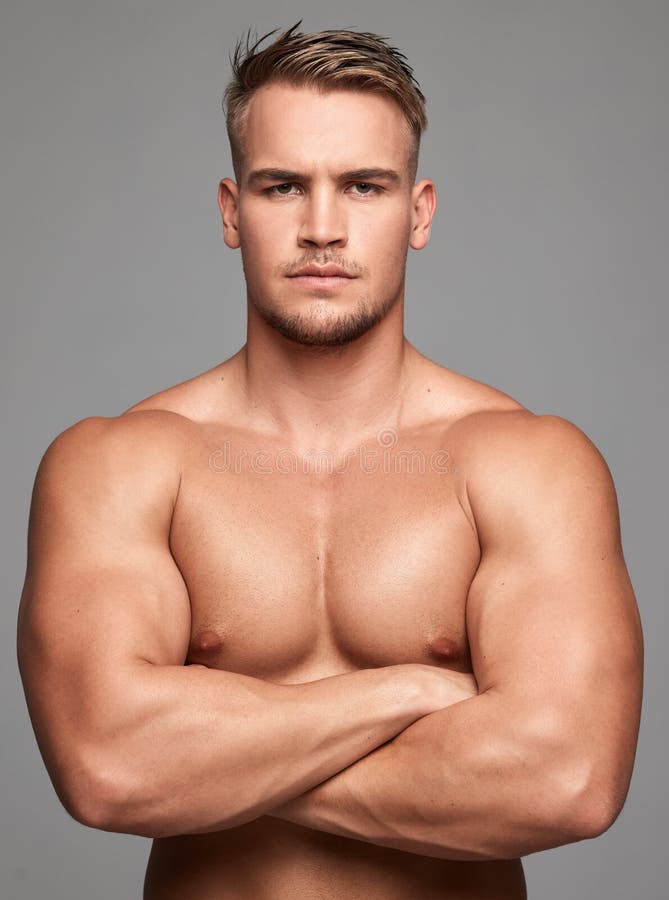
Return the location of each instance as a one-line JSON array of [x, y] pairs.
[[328, 271]]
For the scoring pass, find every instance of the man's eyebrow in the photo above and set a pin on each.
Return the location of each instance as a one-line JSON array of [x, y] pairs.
[[285, 175], [282, 175], [372, 175]]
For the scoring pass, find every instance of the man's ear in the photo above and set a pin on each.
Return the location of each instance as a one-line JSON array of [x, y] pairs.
[[228, 203], [423, 205]]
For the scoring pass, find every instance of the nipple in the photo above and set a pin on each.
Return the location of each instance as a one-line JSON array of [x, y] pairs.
[[207, 641], [444, 647]]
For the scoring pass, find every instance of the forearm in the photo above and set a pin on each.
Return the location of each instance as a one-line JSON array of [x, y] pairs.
[[462, 783], [199, 749]]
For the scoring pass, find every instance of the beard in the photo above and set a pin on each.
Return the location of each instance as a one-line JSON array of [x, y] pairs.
[[322, 326]]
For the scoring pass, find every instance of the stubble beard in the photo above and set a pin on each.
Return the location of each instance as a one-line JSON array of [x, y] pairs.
[[317, 330], [324, 327]]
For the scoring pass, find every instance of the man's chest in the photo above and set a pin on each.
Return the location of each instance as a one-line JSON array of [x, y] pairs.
[[300, 570]]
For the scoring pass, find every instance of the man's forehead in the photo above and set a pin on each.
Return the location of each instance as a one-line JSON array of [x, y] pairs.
[[291, 127]]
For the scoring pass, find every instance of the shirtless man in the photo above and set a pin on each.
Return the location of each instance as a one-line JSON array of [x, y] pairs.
[[330, 620]]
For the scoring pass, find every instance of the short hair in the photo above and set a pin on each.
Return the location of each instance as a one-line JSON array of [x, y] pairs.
[[326, 60]]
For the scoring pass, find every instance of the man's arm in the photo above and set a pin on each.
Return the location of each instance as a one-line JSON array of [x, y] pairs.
[[543, 755], [134, 740]]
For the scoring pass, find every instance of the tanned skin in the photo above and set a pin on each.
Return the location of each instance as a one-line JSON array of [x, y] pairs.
[[330, 619]]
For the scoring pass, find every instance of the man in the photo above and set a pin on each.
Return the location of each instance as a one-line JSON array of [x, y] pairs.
[[329, 619]]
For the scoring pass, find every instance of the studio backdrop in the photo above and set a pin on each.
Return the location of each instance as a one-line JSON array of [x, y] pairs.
[[546, 277]]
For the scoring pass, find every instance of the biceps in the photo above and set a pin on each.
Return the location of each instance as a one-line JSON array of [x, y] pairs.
[[558, 634], [81, 630]]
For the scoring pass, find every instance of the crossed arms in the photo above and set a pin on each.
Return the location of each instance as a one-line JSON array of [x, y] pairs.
[[544, 754], [134, 741]]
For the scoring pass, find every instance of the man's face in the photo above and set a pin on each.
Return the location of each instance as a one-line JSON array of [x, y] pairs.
[[324, 211]]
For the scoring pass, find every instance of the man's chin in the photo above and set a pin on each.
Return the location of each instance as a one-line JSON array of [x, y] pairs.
[[336, 332], [322, 338]]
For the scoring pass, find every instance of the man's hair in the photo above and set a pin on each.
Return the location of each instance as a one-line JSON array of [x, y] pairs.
[[326, 60]]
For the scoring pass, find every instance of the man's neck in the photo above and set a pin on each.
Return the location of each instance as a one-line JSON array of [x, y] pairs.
[[326, 398]]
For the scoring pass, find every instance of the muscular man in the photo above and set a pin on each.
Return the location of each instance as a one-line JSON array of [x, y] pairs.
[[330, 619]]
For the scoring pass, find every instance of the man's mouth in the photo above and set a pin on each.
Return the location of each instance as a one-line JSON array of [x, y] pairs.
[[329, 277], [328, 271]]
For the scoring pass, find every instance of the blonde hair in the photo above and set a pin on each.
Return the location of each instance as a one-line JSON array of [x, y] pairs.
[[354, 60]]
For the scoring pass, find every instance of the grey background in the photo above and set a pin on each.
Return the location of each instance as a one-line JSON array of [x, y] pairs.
[[546, 276]]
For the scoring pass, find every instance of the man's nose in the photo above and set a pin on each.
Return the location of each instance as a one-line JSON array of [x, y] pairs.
[[324, 221]]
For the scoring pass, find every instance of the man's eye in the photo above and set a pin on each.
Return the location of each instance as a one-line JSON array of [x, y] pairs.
[[364, 188], [282, 189]]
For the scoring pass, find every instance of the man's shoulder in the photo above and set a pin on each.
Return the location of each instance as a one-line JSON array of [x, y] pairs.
[[149, 440], [135, 452], [518, 464], [445, 396], [488, 421], [514, 436], [196, 400], [150, 431], [502, 449]]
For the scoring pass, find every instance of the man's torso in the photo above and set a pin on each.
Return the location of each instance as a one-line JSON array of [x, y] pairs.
[[304, 565]]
